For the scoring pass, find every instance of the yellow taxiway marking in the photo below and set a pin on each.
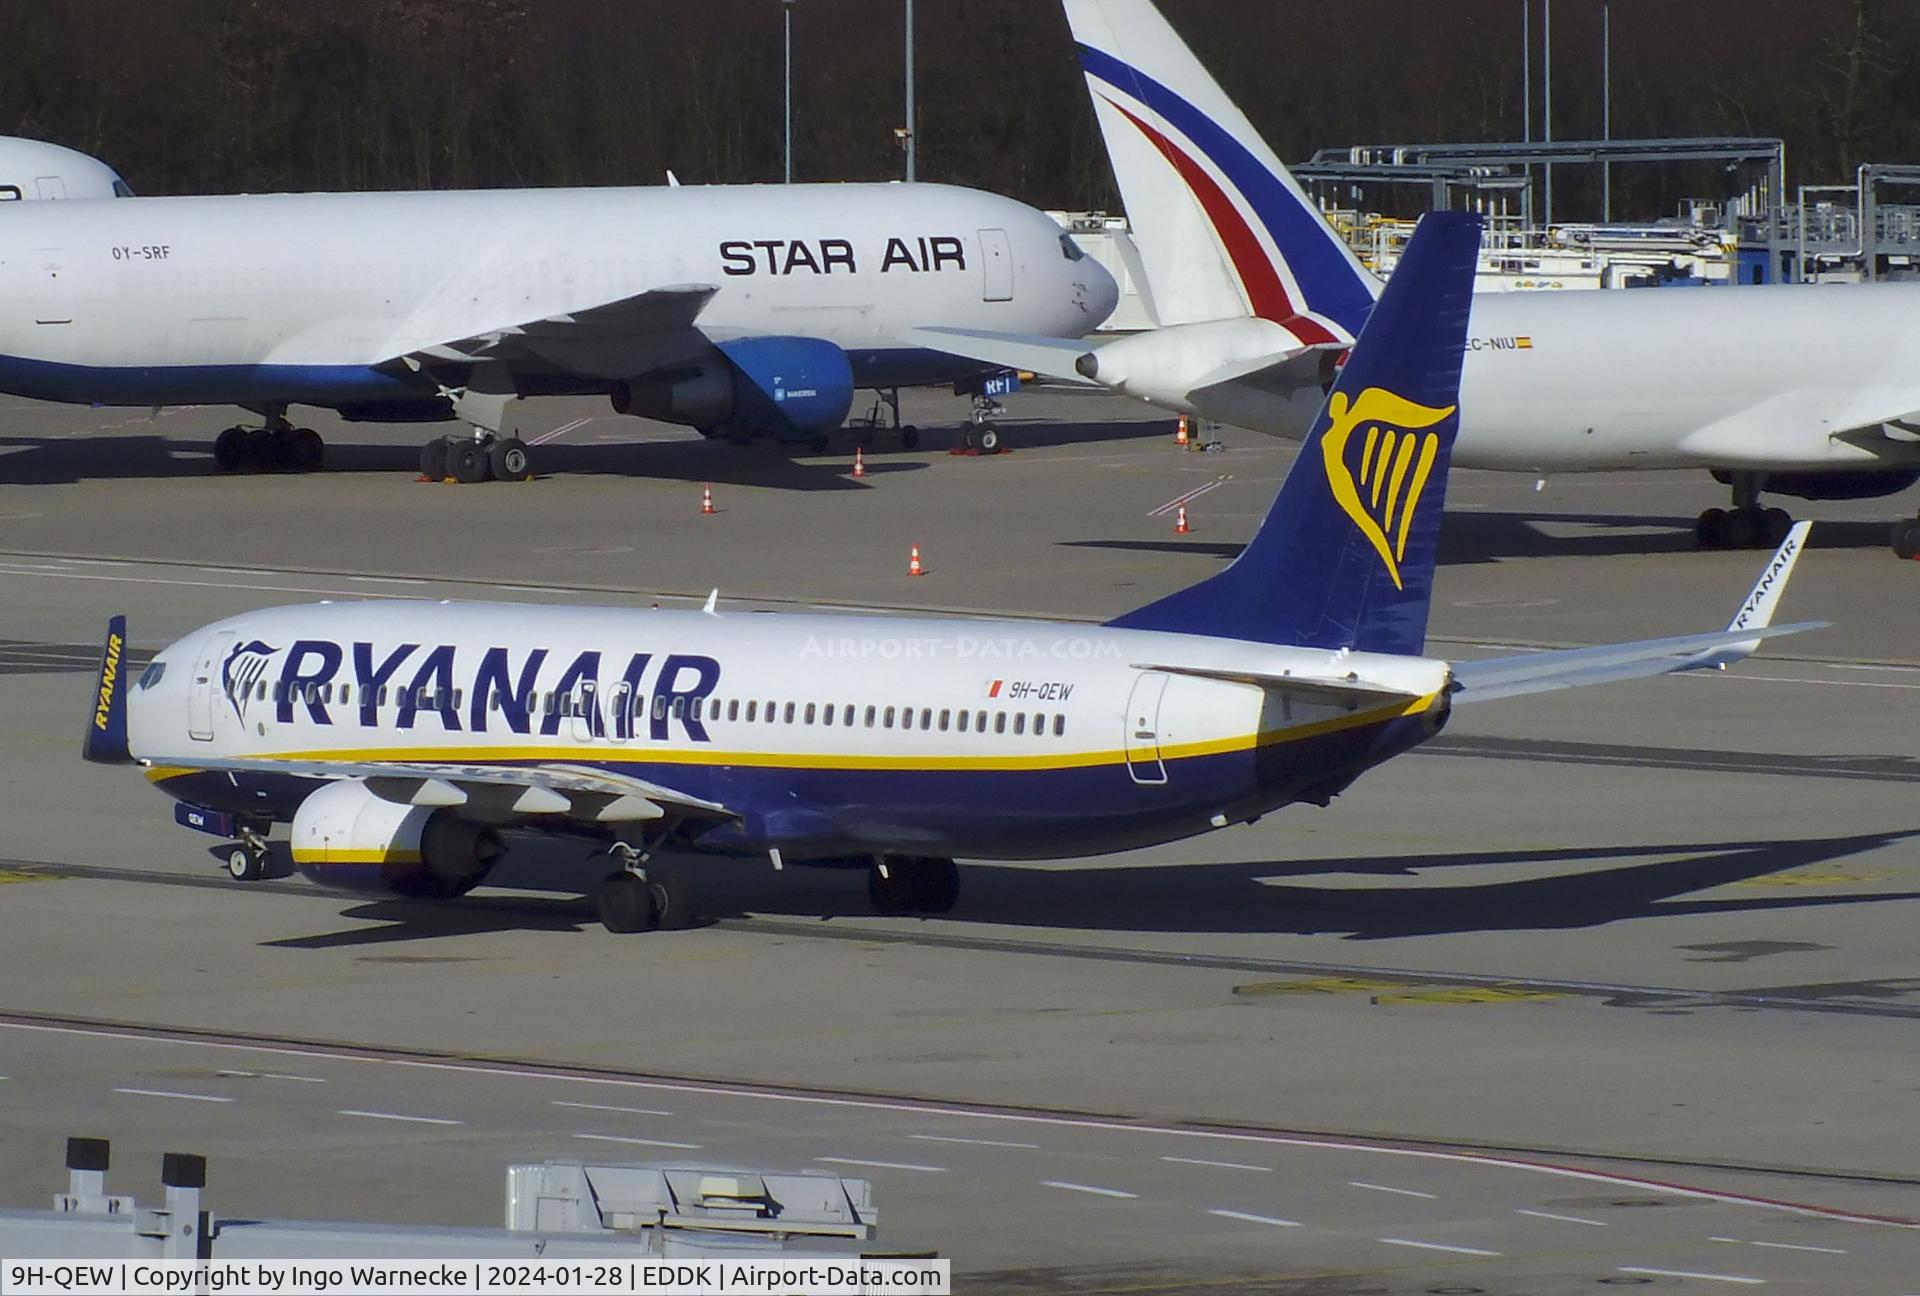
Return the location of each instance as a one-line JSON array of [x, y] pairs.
[[1399, 992], [1812, 879], [14, 875]]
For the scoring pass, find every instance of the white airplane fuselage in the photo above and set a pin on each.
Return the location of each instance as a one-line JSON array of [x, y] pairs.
[[1778, 377], [248, 299]]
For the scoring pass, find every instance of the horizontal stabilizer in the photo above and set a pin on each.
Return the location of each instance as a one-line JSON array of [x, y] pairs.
[[1498, 677], [1050, 357]]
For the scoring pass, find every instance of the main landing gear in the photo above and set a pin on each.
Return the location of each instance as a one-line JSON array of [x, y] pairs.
[[636, 899], [887, 399], [481, 457], [277, 446], [1746, 525], [903, 884]]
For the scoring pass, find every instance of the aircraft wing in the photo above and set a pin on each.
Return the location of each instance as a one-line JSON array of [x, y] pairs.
[[612, 339], [1050, 357], [573, 791], [1498, 677], [1342, 690]]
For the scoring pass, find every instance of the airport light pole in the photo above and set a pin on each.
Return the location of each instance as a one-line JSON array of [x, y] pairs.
[[1606, 106], [1526, 103], [787, 7], [911, 124], [1546, 93]]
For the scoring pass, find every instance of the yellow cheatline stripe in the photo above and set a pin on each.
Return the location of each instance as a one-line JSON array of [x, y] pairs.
[[643, 755], [374, 856]]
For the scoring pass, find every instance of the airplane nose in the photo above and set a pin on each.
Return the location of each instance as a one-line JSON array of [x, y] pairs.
[[1102, 291]]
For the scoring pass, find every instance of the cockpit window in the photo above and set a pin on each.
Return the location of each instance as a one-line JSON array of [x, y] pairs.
[[1069, 249], [153, 673], [121, 189]]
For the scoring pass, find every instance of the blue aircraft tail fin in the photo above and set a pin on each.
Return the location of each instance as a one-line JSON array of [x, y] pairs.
[[1346, 554], [106, 739]]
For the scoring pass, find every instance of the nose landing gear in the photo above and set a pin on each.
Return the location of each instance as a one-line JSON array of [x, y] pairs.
[[637, 899]]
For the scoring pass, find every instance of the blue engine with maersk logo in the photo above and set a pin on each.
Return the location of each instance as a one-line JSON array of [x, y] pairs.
[[783, 388]]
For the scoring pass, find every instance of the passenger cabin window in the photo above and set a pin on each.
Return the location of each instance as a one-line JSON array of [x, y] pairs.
[[886, 718], [964, 716], [999, 722], [733, 711], [810, 712], [789, 715], [826, 714], [980, 721], [846, 717], [772, 712], [752, 707], [1039, 723], [945, 717], [926, 717], [869, 717], [1019, 722], [1059, 725]]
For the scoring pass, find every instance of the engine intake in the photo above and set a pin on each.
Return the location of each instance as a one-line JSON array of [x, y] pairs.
[[347, 838]]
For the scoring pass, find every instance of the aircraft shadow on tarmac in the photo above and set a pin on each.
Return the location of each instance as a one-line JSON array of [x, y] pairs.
[[1485, 536], [1201, 898], [40, 461]]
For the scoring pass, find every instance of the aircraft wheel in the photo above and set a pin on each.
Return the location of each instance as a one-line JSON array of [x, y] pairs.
[[989, 438], [1744, 528], [909, 437], [672, 901], [246, 865], [309, 451], [227, 449], [509, 461], [256, 449], [1710, 530], [892, 894], [1774, 525], [1906, 538], [935, 884], [467, 462], [433, 458], [624, 903]]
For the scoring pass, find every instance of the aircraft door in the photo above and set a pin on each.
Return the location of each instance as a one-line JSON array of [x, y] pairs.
[[583, 712], [996, 266], [53, 289], [620, 717], [1143, 729], [204, 685]]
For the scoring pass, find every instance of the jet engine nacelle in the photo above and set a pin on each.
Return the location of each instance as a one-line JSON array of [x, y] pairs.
[[787, 388], [1165, 364], [346, 837]]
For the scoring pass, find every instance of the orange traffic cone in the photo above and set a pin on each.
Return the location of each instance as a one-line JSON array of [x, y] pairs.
[[1180, 433], [706, 500], [859, 463], [1180, 526], [913, 563]]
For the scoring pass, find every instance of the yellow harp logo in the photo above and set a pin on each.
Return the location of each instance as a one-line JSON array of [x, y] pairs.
[[1382, 492]]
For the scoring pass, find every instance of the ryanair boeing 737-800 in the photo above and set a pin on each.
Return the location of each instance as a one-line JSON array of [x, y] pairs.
[[745, 311], [400, 739]]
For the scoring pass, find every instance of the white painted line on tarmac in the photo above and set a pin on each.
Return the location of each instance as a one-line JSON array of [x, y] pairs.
[[1644, 1271], [390, 580], [881, 1165], [638, 1142], [1087, 1188], [169, 1093], [194, 584], [1190, 496], [1481, 1160], [1781, 1246], [562, 430], [949, 1138], [1788, 679], [395, 1116], [1256, 1219], [1402, 1192], [1564, 1219], [270, 1075], [1439, 1246], [625, 1111], [1217, 1165]]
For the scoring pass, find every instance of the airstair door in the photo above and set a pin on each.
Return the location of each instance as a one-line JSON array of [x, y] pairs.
[[1143, 729], [204, 685], [996, 266], [584, 711]]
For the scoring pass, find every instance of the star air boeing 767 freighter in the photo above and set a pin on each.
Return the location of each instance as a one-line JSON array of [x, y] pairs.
[[401, 739]]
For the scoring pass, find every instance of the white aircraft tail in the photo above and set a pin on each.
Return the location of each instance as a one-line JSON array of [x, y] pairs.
[[1222, 229]]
